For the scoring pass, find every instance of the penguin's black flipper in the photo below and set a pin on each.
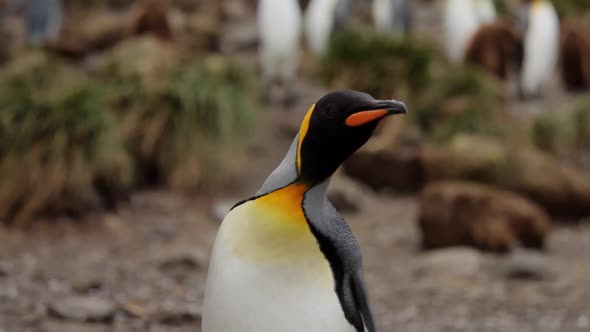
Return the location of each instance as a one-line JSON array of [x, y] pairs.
[[361, 298]]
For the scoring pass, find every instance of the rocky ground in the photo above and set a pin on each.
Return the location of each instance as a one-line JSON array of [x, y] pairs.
[[143, 267]]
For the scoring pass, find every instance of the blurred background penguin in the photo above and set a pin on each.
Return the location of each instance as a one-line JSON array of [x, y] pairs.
[[541, 45], [279, 28], [392, 16]]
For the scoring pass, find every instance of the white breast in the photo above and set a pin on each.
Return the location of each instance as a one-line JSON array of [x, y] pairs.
[[460, 25], [279, 285], [541, 47]]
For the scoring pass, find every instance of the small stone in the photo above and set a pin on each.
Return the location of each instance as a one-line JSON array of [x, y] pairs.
[[528, 265], [461, 262], [83, 309], [176, 315], [583, 322], [164, 232], [183, 260], [135, 309], [60, 326], [85, 283], [4, 269]]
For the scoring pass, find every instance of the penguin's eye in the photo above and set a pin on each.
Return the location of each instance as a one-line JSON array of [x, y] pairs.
[[330, 112]]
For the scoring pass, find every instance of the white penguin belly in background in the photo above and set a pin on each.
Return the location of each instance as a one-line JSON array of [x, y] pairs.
[[383, 13], [392, 15], [461, 23], [541, 46], [485, 10], [279, 28], [319, 24]]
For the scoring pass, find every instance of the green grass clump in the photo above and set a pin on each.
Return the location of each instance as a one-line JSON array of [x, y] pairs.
[[571, 7], [564, 133], [182, 129], [378, 64], [57, 143], [71, 141], [460, 99]]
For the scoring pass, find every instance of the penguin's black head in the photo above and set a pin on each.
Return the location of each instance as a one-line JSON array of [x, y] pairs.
[[335, 127]]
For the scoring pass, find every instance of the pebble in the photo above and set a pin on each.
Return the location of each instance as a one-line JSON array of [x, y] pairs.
[[83, 309], [186, 259], [460, 261], [528, 265], [176, 315]]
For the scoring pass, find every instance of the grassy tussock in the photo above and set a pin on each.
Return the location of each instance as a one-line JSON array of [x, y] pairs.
[[71, 141], [571, 7], [564, 133], [460, 99], [181, 130], [378, 64], [56, 141]]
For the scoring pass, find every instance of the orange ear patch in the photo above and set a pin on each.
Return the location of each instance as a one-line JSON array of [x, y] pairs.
[[361, 118]]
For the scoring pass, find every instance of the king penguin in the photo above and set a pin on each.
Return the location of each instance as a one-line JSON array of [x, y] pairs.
[[392, 16], [460, 23], [322, 19], [284, 260], [279, 30], [541, 45], [486, 11]]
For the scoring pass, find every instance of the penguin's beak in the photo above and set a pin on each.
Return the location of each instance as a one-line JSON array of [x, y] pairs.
[[380, 109]]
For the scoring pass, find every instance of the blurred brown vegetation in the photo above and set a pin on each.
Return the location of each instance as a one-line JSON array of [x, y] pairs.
[[78, 136]]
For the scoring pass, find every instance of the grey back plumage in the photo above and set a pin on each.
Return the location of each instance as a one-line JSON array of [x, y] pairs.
[[285, 174], [341, 249]]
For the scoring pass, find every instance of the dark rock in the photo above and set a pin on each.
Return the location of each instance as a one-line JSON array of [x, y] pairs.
[[5, 268], [151, 17], [390, 160], [561, 190], [575, 55], [470, 214], [83, 309]]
